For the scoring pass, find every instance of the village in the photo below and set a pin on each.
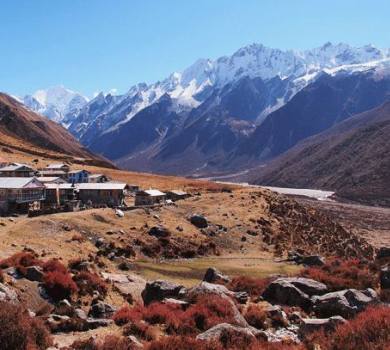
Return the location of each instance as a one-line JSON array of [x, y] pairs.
[[57, 188]]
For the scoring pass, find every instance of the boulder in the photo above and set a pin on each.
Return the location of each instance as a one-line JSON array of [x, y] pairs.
[[119, 213], [159, 290], [306, 285], [215, 333], [93, 323], [310, 325], [159, 232], [34, 273], [199, 221], [205, 288], [135, 343], [212, 275], [385, 278], [346, 303], [283, 292], [80, 313], [313, 260], [101, 310], [383, 252]]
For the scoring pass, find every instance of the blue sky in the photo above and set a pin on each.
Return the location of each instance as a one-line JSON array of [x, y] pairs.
[[93, 45]]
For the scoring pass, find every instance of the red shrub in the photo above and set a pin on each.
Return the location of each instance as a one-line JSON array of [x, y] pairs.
[[59, 285], [88, 282], [142, 330], [253, 286], [182, 343], [19, 331], [338, 274], [20, 261], [205, 313], [256, 316], [110, 342], [369, 330], [54, 265], [128, 314]]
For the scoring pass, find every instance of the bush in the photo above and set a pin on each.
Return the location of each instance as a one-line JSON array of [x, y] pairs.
[[18, 331], [256, 316], [20, 261], [369, 330], [142, 330], [253, 286], [206, 312], [54, 265], [59, 285], [338, 274], [110, 342], [88, 282], [182, 343]]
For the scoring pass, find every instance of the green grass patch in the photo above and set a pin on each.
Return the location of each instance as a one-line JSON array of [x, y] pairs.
[[191, 272]]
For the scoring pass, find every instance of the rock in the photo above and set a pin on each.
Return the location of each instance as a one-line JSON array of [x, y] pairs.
[[310, 325], [313, 260], [101, 310], [384, 277], [176, 302], [115, 277], [199, 221], [281, 335], [306, 285], [159, 290], [215, 333], [34, 273], [93, 323], [159, 231], [8, 294], [383, 252], [135, 342], [212, 275], [277, 315], [64, 308], [99, 242], [283, 292], [80, 313], [205, 288], [119, 213], [346, 303], [126, 266]]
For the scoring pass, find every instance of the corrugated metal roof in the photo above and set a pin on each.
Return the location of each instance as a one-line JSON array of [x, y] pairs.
[[51, 172], [78, 171], [154, 193], [18, 182], [101, 186], [56, 166], [52, 186], [16, 166], [178, 192], [50, 179]]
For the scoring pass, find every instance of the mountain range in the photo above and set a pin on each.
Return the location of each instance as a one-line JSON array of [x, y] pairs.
[[225, 115]]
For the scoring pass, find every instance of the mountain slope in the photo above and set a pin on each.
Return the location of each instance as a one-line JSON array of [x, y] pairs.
[[352, 158], [317, 107], [25, 130]]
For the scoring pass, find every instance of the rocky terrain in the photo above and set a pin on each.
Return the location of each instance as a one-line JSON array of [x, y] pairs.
[[88, 279]]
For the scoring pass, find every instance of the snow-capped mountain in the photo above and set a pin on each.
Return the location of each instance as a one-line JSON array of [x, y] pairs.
[[208, 111], [195, 84], [57, 103]]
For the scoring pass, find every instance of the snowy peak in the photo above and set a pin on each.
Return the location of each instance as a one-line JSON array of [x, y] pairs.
[[57, 103]]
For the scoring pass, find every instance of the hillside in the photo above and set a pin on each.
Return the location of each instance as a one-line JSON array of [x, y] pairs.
[[352, 158], [22, 130]]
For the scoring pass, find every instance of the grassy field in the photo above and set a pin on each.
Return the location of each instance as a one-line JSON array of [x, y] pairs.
[[191, 272]]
